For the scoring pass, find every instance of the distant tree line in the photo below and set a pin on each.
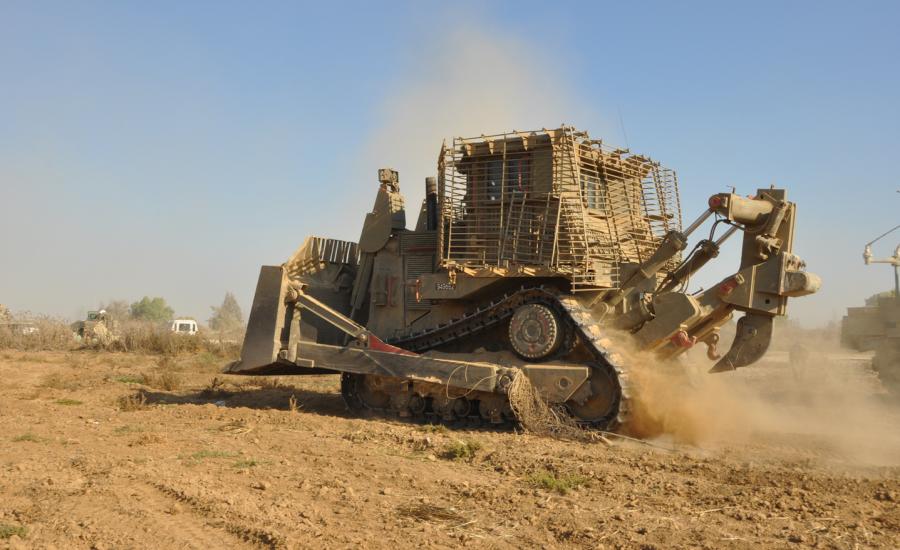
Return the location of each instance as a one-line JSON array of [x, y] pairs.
[[146, 309], [227, 317]]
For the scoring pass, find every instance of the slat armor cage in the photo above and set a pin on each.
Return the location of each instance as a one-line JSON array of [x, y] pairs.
[[553, 202], [316, 252]]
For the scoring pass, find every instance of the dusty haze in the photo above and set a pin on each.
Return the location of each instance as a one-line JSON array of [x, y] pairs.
[[827, 400], [470, 81]]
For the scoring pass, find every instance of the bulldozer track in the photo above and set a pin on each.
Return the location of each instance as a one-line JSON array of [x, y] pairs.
[[580, 320]]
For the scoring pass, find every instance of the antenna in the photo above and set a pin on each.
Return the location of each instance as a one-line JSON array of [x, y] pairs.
[[625, 135], [892, 260], [885, 234]]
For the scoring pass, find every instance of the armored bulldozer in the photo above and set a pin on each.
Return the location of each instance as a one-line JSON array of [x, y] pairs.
[[543, 244], [876, 326]]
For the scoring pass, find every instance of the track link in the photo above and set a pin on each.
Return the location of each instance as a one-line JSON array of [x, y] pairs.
[[580, 323]]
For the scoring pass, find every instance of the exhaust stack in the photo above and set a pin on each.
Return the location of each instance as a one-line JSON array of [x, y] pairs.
[[431, 204]]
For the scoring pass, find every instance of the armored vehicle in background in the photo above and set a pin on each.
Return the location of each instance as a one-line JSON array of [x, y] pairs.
[[876, 326], [546, 244], [97, 328], [10, 326]]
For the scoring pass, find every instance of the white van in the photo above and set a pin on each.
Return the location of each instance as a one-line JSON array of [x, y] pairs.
[[184, 326]]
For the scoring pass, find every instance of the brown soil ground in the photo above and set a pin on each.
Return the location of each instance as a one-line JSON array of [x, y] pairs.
[[277, 462]]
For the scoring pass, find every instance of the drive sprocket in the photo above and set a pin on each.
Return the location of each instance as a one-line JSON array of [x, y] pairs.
[[535, 332]]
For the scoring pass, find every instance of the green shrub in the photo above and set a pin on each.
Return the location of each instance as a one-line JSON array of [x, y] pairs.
[[8, 530], [561, 483], [461, 450], [68, 402]]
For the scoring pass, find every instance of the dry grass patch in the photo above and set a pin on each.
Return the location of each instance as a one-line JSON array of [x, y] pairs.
[[150, 438], [132, 402], [30, 333], [433, 428], [140, 336], [264, 382], [59, 381], [77, 362], [429, 512], [200, 456], [167, 381], [128, 429], [358, 436], [206, 361], [30, 437], [215, 389], [247, 464], [237, 427]]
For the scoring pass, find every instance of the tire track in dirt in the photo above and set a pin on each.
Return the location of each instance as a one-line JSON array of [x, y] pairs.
[[184, 527], [149, 508], [252, 535], [150, 519], [140, 519]]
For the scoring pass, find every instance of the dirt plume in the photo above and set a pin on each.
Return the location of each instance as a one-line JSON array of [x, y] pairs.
[[690, 409], [828, 400]]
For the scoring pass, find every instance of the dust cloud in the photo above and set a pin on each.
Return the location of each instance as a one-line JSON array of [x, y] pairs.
[[473, 80], [827, 403], [467, 82]]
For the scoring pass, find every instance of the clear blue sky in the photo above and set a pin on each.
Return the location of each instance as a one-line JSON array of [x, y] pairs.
[[171, 148]]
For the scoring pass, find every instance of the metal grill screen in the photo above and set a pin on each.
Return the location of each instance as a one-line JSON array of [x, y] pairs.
[[553, 201]]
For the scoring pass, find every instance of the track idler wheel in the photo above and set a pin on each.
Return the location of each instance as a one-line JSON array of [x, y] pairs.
[[536, 332], [601, 407], [362, 392]]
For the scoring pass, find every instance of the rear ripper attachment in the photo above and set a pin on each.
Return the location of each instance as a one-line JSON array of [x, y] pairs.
[[530, 250]]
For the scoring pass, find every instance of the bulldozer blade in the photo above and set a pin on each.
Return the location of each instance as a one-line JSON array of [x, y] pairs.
[[754, 333], [263, 339]]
